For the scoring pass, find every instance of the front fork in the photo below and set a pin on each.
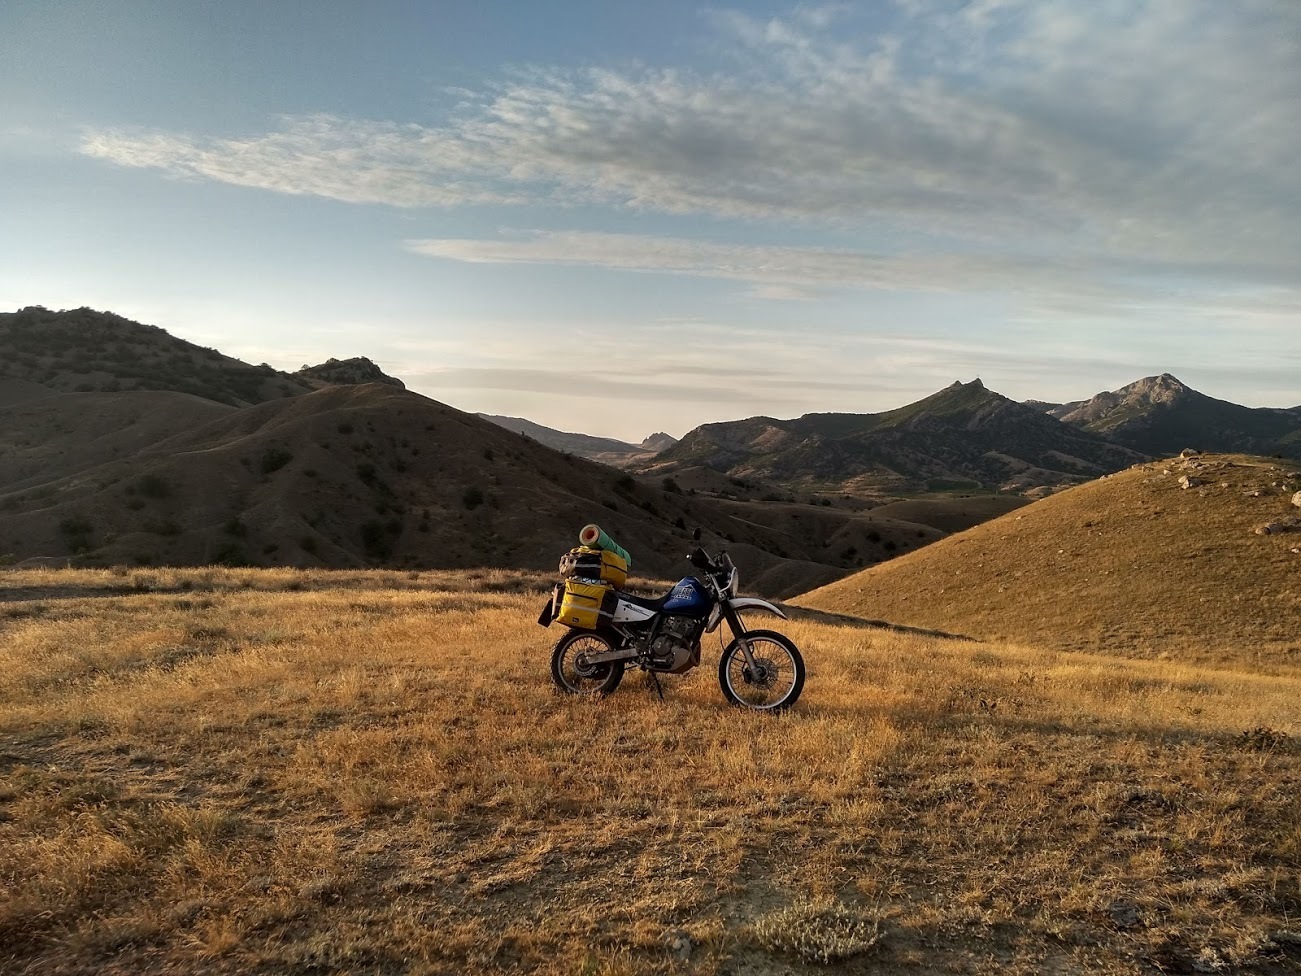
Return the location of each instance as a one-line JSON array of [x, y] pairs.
[[738, 630]]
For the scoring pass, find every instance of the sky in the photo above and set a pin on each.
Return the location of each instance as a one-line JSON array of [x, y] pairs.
[[623, 217]]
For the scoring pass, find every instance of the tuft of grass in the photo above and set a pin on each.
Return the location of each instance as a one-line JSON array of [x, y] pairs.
[[822, 933]]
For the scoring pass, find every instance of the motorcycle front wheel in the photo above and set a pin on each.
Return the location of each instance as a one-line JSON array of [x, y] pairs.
[[776, 680], [575, 677]]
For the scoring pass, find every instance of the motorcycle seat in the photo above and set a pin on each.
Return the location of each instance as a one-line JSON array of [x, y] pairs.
[[650, 603]]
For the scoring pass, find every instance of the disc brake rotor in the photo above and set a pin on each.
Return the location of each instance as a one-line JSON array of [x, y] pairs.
[[763, 674]]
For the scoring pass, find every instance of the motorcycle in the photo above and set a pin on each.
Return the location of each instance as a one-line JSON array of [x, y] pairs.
[[760, 669]]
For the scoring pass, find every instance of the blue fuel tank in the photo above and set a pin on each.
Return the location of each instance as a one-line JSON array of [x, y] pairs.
[[689, 597]]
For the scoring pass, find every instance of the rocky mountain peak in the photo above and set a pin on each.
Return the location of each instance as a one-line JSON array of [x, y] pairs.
[[659, 441], [1155, 389]]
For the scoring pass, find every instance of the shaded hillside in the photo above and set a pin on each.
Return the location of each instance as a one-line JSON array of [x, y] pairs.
[[345, 372], [51, 437], [21, 391], [963, 437], [366, 475], [82, 350], [1161, 416], [1133, 563]]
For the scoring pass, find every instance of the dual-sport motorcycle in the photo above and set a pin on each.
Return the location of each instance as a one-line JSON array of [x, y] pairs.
[[759, 669]]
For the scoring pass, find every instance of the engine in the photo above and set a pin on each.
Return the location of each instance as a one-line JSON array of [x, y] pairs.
[[675, 643]]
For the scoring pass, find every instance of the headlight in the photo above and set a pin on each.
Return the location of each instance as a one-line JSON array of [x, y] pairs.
[[733, 582]]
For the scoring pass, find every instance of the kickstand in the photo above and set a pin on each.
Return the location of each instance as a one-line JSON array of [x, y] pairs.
[[656, 682]]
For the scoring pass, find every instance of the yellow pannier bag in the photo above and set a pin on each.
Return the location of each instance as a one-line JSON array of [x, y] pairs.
[[586, 605], [594, 564]]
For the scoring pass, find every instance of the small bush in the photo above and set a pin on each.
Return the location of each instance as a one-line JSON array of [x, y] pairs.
[[236, 528], [472, 498], [344, 428], [671, 486], [76, 532], [153, 486], [377, 537], [308, 544], [275, 458], [231, 554]]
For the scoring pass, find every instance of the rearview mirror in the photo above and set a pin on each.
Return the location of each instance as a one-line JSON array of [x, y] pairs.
[[696, 534]]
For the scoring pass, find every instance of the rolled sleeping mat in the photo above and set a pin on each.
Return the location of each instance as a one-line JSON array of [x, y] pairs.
[[594, 537]]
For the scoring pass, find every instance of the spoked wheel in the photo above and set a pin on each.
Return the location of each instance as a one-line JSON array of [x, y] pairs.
[[571, 672], [774, 682]]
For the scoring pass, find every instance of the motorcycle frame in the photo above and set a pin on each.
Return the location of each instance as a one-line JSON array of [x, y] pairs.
[[726, 609]]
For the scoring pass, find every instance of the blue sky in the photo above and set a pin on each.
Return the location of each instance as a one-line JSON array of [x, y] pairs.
[[626, 217]]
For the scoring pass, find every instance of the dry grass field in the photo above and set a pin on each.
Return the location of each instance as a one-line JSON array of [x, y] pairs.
[[239, 771]]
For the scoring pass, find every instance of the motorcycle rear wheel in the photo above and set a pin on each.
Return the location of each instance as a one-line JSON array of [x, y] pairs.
[[781, 679], [567, 669]]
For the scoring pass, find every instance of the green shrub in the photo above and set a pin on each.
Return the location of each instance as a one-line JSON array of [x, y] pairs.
[[472, 498]]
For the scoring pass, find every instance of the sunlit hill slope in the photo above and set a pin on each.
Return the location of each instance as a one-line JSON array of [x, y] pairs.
[[1133, 563]]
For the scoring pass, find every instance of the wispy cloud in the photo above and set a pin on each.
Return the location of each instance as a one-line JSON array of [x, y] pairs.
[[1164, 130]]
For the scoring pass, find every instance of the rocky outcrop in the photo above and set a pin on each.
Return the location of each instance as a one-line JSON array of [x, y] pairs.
[[347, 372]]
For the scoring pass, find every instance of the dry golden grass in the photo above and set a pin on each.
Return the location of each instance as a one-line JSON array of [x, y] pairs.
[[1132, 564], [240, 771]]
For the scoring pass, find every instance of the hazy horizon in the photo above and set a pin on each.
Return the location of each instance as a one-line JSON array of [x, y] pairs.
[[619, 218]]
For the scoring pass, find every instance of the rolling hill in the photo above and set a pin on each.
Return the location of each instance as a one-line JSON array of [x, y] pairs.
[[1159, 415], [584, 445], [368, 475], [962, 438], [1133, 563]]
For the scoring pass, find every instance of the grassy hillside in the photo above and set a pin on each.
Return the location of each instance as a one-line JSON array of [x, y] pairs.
[[367, 475], [1132, 563], [83, 351], [234, 771]]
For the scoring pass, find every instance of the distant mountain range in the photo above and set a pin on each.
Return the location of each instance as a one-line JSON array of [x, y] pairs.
[[121, 443], [965, 437], [604, 449], [1159, 415]]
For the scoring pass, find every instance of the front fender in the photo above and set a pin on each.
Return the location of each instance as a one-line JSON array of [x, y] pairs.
[[741, 604]]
